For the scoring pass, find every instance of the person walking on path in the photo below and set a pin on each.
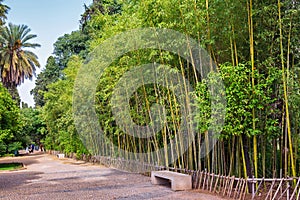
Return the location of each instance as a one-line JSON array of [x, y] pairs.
[[31, 148]]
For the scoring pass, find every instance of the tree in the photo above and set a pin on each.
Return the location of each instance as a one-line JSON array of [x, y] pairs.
[[57, 112], [16, 62], [49, 75], [9, 120], [34, 128], [68, 45], [3, 12], [64, 48], [109, 7]]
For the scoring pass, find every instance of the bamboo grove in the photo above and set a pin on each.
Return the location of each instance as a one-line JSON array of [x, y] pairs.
[[255, 45]]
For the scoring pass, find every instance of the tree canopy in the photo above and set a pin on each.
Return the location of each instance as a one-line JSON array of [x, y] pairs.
[[16, 62], [3, 12]]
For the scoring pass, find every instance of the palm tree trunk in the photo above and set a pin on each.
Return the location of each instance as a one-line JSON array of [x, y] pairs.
[[13, 91]]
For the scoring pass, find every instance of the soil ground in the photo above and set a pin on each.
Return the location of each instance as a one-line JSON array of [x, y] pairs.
[[47, 177]]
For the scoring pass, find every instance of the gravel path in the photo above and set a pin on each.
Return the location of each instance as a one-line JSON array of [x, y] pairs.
[[46, 177]]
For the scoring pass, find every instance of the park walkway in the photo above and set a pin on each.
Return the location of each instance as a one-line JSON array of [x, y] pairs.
[[46, 177]]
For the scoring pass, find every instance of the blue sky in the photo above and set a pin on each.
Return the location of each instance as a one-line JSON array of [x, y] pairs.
[[48, 19]]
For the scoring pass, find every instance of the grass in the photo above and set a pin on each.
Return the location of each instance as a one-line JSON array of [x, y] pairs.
[[10, 166]]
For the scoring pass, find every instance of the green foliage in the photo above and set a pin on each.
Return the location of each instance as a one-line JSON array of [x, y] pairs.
[[18, 128], [9, 120], [221, 27], [57, 112], [3, 12], [109, 7], [74, 43], [33, 129], [10, 166], [241, 100], [3, 148], [65, 47], [50, 74], [240, 104], [13, 147]]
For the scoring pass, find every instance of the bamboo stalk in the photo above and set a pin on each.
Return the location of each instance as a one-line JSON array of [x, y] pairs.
[[224, 183], [221, 184], [204, 181], [197, 179], [231, 156], [225, 187], [235, 47], [209, 46], [285, 93], [201, 175], [216, 183], [250, 24], [208, 180], [231, 186], [211, 182], [243, 156]]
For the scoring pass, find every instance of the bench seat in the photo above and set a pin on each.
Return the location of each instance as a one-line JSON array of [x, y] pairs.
[[61, 155]]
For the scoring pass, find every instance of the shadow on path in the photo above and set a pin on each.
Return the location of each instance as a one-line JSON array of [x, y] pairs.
[[16, 178], [47, 177]]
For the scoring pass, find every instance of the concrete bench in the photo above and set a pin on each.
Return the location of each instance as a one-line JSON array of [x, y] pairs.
[[61, 155], [178, 181]]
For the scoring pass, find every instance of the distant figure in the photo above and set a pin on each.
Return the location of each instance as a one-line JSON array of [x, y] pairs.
[[31, 148], [42, 148], [27, 150]]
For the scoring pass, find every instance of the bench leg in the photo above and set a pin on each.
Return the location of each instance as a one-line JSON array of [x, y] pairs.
[[181, 184]]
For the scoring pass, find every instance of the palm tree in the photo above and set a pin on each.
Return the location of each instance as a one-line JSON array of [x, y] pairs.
[[3, 12], [16, 62]]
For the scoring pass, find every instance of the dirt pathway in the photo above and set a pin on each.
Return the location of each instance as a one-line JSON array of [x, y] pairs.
[[46, 177]]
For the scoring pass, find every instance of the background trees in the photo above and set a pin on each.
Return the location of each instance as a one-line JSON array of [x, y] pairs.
[[51, 73], [18, 127], [10, 124], [58, 115], [74, 43]]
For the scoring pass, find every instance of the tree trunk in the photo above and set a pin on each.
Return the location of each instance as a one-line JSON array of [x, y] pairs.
[[13, 91]]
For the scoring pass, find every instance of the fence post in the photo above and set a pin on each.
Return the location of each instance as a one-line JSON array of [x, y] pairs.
[[253, 188]]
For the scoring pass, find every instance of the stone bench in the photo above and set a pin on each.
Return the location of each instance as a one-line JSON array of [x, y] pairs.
[[60, 155], [178, 181]]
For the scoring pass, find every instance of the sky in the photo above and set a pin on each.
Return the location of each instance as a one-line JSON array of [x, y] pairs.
[[48, 19]]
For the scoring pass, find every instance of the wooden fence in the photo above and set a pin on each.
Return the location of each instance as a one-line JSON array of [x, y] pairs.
[[226, 186], [273, 189], [230, 187]]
